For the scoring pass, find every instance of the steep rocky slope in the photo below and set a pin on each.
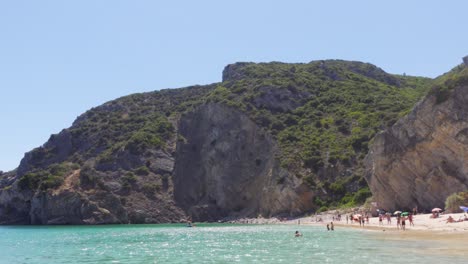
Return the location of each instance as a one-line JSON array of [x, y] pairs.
[[423, 158], [227, 165], [271, 139]]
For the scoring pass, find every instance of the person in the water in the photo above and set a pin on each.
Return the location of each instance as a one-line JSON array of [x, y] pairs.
[[297, 234]]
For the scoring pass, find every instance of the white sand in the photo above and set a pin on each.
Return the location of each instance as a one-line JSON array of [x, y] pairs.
[[448, 238], [422, 222]]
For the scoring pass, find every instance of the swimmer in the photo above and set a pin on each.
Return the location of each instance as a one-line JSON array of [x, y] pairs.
[[297, 234]]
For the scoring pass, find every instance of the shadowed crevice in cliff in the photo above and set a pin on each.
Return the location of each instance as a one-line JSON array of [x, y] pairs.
[[226, 167]]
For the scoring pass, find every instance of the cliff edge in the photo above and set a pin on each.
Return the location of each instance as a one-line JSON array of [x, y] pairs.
[[423, 158]]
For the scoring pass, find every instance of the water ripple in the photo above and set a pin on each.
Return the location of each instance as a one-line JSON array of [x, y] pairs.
[[205, 244]]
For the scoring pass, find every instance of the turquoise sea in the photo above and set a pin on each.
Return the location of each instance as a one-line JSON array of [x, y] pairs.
[[210, 243]]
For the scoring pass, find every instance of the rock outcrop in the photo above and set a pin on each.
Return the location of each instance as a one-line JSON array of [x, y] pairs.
[[226, 166], [423, 158], [60, 144], [234, 72], [14, 206]]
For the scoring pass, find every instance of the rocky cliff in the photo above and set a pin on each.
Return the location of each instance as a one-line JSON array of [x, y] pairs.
[[227, 165], [422, 159], [271, 139]]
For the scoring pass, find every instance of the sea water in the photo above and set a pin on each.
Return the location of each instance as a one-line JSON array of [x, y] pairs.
[[209, 243]]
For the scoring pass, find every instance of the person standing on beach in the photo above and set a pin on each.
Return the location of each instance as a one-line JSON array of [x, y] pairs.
[[389, 219], [380, 219], [346, 219], [398, 219], [410, 219], [403, 224]]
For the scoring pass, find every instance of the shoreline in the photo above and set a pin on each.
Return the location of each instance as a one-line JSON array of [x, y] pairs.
[[425, 228], [444, 238]]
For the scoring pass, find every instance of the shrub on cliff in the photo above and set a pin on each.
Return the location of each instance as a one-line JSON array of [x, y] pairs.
[[455, 200], [322, 114], [50, 178], [445, 84]]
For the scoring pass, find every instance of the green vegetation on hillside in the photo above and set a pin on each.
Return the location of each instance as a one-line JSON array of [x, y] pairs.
[[49, 178], [323, 115], [444, 85]]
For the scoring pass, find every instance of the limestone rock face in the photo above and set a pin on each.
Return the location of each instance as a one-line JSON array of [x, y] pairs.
[[62, 145], [222, 165], [71, 207], [423, 158], [226, 167], [14, 206], [280, 100], [234, 71], [77, 202]]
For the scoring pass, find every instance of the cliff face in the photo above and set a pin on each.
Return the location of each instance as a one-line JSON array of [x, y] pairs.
[[422, 159], [227, 166], [222, 166], [271, 139]]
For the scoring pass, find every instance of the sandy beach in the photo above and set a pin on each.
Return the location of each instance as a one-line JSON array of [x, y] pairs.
[[446, 238], [425, 227], [422, 222]]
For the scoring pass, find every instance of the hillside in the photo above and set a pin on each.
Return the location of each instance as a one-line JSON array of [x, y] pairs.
[[271, 139], [420, 160]]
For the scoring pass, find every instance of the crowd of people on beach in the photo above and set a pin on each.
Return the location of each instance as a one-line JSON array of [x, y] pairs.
[[362, 217], [401, 218]]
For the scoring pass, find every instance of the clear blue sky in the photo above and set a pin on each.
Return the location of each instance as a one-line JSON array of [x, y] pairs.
[[60, 58]]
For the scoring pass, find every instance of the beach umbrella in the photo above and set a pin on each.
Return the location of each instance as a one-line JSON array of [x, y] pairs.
[[356, 216], [404, 214], [397, 212], [464, 208], [436, 210]]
